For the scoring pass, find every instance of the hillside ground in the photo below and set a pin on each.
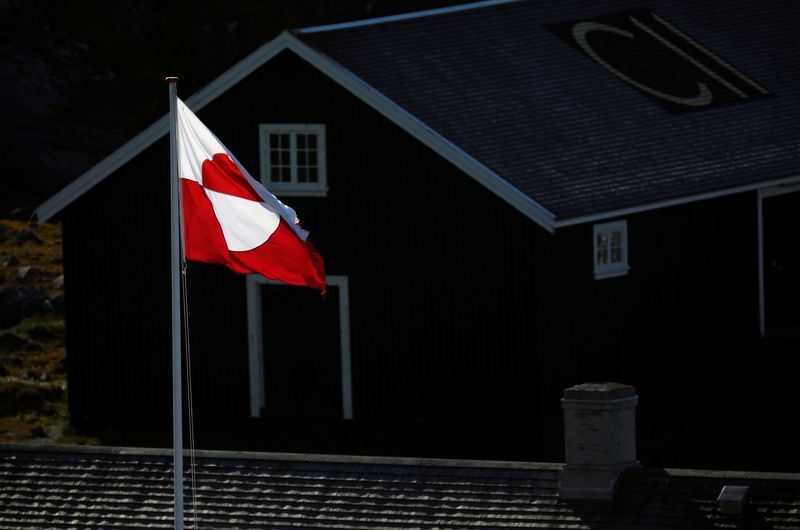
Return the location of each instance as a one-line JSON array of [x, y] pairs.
[[33, 383]]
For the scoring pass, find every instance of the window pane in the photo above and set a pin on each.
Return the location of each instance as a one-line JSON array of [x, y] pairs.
[[294, 157], [602, 256], [616, 238], [616, 246], [602, 248]]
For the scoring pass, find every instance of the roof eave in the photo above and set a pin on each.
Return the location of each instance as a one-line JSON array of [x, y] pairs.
[[340, 75], [150, 135], [622, 212], [438, 143], [384, 106]]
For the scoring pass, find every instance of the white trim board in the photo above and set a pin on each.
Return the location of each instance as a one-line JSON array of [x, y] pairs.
[[624, 212], [340, 75], [763, 194], [389, 109], [149, 136], [255, 342], [403, 16], [426, 135]]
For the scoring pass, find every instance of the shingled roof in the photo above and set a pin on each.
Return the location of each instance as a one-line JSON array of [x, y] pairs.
[[74, 487], [496, 81], [494, 89]]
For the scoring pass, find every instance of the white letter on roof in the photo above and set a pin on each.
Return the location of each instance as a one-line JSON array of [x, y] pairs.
[[582, 29]]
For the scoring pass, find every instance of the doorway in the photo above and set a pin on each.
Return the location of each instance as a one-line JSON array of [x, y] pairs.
[[299, 350]]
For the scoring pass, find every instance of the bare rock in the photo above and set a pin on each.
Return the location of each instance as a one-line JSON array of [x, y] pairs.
[[28, 273], [11, 342], [58, 283], [17, 301], [57, 303], [26, 235], [10, 261], [33, 346], [38, 432]]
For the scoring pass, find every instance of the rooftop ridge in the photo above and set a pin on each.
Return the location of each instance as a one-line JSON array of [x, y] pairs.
[[383, 460], [286, 457], [401, 16]]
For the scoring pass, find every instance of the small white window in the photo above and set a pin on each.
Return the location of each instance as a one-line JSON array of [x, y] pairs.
[[611, 249], [293, 159]]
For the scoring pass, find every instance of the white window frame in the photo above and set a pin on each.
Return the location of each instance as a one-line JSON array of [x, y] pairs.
[[294, 188], [255, 342], [619, 268]]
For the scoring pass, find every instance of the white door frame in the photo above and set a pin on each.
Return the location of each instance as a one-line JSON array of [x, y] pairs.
[[764, 193], [255, 342]]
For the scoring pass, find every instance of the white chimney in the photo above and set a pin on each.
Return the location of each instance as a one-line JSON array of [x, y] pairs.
[[599, 439]]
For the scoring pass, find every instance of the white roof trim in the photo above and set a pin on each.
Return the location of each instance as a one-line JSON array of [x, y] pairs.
[[403, 16], [383, 105], [441, 145], [786, 181], [96, 174], [347, 80], [146, 138]]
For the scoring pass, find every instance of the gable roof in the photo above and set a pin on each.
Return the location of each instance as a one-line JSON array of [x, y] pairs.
[[498, 83], [90, 487], [491, 89]]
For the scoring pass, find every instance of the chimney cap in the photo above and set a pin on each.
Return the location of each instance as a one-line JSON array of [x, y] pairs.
[[733, 499], [599, 391]]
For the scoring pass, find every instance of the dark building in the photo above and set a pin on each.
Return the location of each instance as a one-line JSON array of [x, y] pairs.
[[511, 197]]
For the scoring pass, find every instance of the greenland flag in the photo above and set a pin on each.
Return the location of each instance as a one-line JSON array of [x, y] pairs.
[[231, 219]]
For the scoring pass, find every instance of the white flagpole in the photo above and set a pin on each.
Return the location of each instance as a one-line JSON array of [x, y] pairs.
[[177, 401]]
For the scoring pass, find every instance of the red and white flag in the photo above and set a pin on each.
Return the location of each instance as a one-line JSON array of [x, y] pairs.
[[231, 219]]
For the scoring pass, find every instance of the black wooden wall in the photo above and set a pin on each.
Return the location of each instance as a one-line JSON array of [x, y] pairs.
[[465, 316], [691, 293]]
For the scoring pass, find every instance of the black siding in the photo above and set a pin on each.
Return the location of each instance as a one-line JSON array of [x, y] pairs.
[[467, 318], [435, 265]]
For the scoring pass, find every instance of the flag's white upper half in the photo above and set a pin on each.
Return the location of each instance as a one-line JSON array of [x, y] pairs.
[[245, 224]]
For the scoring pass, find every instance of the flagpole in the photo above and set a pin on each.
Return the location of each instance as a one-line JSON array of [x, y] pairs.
[[177, 398]]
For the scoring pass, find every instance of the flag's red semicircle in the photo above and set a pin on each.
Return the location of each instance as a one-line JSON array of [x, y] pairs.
[[284, 256], [278, 252]]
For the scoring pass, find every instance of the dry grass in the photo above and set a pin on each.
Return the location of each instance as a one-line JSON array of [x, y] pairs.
[[33, 382]]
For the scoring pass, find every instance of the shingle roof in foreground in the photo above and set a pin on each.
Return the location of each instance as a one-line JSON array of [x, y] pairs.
[[499, 84], [69, 487]]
